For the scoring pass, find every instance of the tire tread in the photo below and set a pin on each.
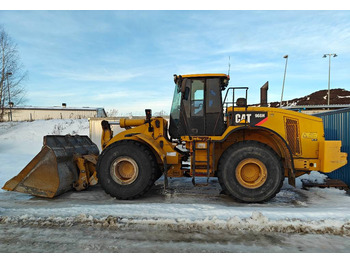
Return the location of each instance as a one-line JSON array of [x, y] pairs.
[[141, 148], [224, 158]]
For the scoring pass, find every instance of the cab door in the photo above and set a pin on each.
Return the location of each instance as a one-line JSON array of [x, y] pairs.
[[197, 105], [214, 117]]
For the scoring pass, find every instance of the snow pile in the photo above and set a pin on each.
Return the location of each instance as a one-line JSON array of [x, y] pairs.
[[314, 177]]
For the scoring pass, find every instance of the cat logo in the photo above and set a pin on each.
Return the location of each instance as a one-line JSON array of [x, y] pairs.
[[249, 118], [242, 118]]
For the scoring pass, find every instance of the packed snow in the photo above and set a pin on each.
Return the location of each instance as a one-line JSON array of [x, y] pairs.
[[181, 208]]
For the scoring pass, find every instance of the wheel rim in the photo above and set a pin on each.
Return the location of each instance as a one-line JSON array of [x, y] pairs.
[[124, 170], [251, 173]]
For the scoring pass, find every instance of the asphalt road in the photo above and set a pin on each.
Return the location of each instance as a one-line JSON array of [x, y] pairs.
[[22, 239], [30, 224]]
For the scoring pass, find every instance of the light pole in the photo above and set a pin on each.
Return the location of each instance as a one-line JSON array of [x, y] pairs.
[[284, 78], [8, 90], [329, 73]]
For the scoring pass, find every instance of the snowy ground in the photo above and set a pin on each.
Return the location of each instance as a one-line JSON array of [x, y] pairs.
[[182, 219]]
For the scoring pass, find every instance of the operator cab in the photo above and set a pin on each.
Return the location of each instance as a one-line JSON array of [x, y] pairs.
[[197, 108]]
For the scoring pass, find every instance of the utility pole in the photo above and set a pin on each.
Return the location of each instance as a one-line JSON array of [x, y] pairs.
[[329, 74], [284, 78]]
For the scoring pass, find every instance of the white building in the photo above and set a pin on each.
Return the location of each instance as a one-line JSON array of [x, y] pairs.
[[30, 113]]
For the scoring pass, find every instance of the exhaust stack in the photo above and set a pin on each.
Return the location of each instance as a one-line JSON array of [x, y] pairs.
[[263, 94]]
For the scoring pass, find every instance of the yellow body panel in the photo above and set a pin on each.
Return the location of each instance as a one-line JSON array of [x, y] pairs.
[[309, 127], [331, 157], [154, 139]]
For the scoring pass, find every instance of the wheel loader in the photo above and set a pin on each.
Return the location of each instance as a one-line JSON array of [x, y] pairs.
[[211, 133]]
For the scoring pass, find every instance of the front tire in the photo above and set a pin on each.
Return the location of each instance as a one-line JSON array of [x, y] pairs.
[[126, 169], [250, 172]]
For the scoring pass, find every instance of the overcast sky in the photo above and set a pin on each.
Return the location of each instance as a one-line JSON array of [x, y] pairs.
[[126, 59]]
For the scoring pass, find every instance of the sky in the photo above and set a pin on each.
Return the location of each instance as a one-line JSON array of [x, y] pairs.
[[126, 59]]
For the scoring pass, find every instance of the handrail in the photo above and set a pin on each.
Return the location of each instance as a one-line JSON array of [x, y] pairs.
[[233, 100]]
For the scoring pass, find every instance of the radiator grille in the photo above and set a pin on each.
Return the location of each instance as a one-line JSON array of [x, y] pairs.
[[293, 138]]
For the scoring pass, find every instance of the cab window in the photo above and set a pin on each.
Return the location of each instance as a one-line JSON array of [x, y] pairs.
[[197, 98]]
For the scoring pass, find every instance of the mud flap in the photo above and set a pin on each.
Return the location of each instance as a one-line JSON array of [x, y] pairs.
[[52, 171]]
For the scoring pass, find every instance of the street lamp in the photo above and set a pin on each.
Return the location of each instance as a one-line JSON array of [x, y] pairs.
[[8, 89], [284, 78], [329, 73]]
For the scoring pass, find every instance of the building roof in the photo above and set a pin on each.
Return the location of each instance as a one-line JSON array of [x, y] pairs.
[[333, 112]]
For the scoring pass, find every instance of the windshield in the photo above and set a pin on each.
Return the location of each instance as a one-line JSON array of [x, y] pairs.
[[175, 107]]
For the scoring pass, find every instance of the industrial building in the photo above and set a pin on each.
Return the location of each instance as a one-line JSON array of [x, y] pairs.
[[29, 113]]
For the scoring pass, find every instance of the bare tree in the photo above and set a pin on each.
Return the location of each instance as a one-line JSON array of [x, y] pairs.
[[160, 113], [11, 74], [112, 113]]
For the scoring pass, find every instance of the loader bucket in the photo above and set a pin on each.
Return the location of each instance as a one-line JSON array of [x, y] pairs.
[[52, 171]]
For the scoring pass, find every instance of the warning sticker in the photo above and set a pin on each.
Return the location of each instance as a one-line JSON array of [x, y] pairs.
[[310, 135]]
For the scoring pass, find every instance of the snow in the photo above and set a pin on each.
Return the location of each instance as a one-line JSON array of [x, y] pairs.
[[182, 207]]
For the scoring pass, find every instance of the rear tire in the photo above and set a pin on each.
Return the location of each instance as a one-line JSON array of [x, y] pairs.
[[250, 172], [126, 169]]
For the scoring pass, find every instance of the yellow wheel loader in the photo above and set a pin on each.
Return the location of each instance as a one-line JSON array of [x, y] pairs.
[[251, 149]]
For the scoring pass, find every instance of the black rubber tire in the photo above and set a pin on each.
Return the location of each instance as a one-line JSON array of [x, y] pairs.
[[147, 169], [250, 149]]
